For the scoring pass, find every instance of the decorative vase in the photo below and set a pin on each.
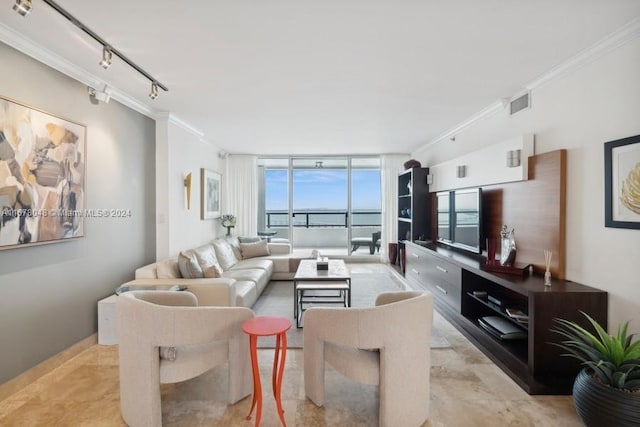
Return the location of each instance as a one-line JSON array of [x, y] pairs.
[[393, 253], [413, 163], [599, 405], [229, 230]]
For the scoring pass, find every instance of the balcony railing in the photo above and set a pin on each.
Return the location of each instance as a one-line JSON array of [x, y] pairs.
[[323, 218]]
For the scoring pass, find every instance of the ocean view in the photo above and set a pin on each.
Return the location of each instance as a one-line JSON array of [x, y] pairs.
[[320, 218]]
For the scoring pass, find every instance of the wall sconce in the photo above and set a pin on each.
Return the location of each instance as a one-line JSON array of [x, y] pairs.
[[461, 171], [513, 158], [187, 190]]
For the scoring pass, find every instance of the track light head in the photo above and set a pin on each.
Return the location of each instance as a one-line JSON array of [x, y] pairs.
[[154, 91], [100, 95], [106, 58], [23, 7]]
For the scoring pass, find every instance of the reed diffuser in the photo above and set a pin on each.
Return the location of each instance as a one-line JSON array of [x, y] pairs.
[[547, 263]]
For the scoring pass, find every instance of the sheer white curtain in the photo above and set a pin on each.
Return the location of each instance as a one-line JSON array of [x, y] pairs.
[[242, 193], [390, 166]]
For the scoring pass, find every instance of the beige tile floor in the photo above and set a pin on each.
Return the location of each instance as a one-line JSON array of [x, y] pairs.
[[467, 389]]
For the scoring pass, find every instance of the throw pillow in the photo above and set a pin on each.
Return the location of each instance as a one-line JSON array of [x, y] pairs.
[[189, 267], [213, 272], [224, 253], [168, 269], [252, 250], [249, 239]]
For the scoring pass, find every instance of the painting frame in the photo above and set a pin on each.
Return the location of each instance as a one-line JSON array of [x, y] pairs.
[[43, 170], [210, 194], [622, 183]]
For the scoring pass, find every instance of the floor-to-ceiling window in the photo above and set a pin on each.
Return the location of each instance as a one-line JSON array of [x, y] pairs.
[[324, 203]]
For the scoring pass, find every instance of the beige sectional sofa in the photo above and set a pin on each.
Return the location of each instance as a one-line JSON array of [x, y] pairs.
[[224, 272]]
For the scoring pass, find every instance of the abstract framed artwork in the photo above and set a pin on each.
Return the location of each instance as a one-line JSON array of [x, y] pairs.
[[42, 176], [210, 194], [622, 183]]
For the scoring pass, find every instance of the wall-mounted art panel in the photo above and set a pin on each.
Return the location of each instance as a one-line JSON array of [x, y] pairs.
[[42, 176], [622, 183], [210, 194]]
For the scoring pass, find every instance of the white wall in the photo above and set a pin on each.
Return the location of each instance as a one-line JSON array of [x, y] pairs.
[[180, 152], [579, 112], [49, 293]]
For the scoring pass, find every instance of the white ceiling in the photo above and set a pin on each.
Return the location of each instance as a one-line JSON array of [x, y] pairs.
[[324, 76]]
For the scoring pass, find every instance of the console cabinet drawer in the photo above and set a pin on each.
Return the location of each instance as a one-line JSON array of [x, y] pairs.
[[439, 270], [447, 292], [440, 277]]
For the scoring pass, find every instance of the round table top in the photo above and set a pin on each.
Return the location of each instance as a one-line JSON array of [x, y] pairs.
[[266, 325], [267, 233]]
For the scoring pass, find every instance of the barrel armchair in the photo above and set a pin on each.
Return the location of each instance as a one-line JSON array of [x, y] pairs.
[[387, 345], [166, 338]]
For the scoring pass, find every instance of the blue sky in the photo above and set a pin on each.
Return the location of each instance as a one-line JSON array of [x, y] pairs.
[[323, 189]]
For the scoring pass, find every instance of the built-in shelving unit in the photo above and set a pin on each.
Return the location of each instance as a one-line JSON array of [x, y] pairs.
[[414, 209], [414, 216], [456, 279]]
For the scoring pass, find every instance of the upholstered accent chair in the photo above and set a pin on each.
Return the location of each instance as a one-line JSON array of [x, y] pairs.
[[166, 338], [387, 345]]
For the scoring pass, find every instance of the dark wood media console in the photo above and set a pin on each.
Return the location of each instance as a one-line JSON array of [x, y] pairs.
[[532, 362]]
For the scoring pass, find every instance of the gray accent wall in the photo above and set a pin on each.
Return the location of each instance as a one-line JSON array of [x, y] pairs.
[[49, 293]]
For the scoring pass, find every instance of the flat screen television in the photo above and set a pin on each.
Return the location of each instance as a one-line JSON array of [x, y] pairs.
[[460, 218]]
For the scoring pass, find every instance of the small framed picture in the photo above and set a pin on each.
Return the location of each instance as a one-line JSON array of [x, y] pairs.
[[622, 183], [210, 194]]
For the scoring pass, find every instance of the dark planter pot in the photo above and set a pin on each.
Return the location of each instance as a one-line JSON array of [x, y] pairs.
[[599, 405]]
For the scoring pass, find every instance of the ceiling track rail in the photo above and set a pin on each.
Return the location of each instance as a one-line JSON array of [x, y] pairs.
[[103, 42]]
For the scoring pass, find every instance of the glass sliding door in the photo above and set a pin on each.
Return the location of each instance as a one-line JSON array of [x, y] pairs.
[[332, 204], [273, 199], [366, 206], [319, 204]]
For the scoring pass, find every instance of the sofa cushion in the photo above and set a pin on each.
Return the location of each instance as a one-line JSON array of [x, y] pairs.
[[208, 262], [246, 293], [256, 275], [168, 269], [255, 249], [224, 253], [189, 266], [263, 264]]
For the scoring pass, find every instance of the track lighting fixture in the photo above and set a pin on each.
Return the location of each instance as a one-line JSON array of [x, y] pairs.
[[154, 91], [23, 7], [100, 95], [106, 58]]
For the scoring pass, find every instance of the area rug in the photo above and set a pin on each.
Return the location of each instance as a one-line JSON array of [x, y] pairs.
[[277, 300]]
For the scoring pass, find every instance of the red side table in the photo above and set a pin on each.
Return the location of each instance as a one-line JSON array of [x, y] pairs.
[[262, 327]]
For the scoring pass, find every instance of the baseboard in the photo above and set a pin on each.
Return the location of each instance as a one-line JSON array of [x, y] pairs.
[[21, 381]]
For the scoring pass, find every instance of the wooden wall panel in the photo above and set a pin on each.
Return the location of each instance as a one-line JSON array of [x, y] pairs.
[[536, 209]]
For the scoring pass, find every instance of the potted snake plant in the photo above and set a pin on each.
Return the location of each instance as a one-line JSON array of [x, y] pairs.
[[606, 391]]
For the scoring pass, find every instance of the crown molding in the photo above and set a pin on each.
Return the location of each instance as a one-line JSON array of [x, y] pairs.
[[621, 36], [482, 114], [174, 120], [30, 48]]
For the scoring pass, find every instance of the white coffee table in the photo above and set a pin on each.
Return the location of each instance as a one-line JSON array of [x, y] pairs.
[[309, 278]]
